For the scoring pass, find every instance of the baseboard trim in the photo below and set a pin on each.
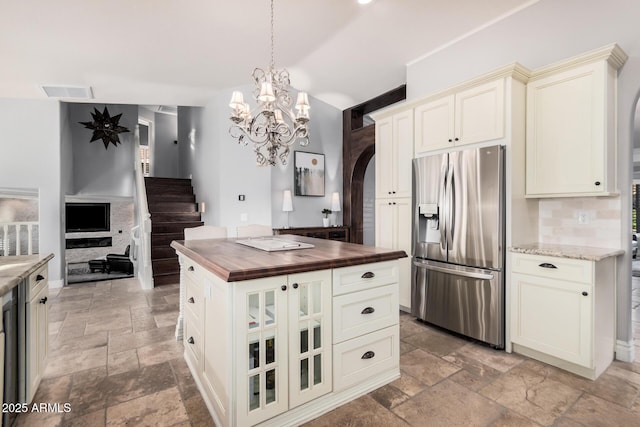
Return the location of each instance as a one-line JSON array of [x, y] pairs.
[[625, 351]]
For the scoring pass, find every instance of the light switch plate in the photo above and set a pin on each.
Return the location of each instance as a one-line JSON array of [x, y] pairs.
[[583, 217]]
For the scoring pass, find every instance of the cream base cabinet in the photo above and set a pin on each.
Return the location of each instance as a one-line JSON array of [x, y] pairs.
[[262, 351], [562, 311], [393, 231], [466, 117], [394, 153], [283, 343], [570, 129], [37, 330]]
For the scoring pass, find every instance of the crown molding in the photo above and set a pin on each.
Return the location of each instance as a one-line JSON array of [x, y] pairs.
[[613, 54]]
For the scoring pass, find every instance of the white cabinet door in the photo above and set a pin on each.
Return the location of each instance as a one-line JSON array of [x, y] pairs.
[[310, 331], [394, 154], [566, 149], [480, 113], [37, 345], [393, 231], [553, 317], [261, 349], [434, 124]]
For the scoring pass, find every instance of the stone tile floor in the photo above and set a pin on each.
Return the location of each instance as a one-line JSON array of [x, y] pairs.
[[115, 360]]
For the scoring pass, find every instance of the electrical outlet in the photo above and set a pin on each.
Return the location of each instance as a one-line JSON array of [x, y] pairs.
[[583, 217]]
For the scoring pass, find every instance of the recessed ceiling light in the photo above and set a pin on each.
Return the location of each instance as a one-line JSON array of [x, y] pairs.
[[364, 1], [83, 92]]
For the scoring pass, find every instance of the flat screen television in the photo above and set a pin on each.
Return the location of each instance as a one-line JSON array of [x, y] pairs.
[[83, 217]]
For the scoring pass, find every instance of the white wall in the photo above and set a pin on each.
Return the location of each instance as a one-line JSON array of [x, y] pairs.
[[100, 171], [547, 32], [31, 154]]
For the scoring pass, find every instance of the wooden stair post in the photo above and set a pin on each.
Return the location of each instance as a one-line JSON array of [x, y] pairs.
[[173, 208]]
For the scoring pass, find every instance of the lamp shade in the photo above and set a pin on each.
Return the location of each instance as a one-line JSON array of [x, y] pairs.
[[287, 202], [335, 202]]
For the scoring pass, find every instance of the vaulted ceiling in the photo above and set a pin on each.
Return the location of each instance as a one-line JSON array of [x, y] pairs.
[[181, 52]]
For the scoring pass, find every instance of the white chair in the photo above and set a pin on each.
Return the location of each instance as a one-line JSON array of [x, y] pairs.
[[205, 232], [254, 230]]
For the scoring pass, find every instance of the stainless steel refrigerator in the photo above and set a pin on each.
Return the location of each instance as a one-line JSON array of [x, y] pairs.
[[458, 242]]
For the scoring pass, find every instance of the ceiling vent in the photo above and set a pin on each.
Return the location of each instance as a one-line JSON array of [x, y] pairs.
[[77, 92], [166, 109]]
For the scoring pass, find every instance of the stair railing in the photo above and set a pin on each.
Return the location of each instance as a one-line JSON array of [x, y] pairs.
[[14, 232], [142, 231]]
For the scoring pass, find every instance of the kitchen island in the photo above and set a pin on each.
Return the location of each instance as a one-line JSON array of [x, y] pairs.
[[281, 337]]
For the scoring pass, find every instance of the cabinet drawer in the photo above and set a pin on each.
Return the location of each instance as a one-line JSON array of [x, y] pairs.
[[194, 297], [574, 270], [360, 358], [364, 276], [191, 269], [37, 281], [359, 313], [192, 339]]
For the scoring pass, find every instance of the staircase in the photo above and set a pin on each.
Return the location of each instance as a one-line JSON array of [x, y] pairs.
[[173, 208]]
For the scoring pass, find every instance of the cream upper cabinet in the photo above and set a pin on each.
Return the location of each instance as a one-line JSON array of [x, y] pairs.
[[570, 128], [394, 153], [465, 117]]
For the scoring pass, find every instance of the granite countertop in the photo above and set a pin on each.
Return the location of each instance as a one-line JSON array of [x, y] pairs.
[[14, 269], [567, 251], [234, 262]]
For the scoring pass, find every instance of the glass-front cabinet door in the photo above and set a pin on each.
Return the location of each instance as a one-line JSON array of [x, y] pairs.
[[310, 373], [261, 349]]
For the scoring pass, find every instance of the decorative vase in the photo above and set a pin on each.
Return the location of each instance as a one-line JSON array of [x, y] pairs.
[[326, 222]]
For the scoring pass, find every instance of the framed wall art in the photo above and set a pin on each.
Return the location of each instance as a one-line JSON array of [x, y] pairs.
[[308, 174]]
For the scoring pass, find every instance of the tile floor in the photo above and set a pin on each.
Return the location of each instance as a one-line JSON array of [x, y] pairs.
[[114, 359]]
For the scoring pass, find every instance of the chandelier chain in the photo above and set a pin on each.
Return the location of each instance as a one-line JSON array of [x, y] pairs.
[[273, 63]]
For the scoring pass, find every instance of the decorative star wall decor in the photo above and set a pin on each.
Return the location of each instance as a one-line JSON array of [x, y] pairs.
[[105, 127]]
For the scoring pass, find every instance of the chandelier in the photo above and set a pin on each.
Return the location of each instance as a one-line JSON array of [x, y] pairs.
[[272, 126]]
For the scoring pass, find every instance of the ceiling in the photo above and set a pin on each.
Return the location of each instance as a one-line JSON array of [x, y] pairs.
[[171, 52]]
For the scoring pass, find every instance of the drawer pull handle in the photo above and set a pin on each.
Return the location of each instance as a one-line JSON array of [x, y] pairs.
[[368, 355], [283, 287], [368, 310], [547, 265], [44, 300], [39, 278], [191, 300], [190, 340], [368, 275], [190, 268]]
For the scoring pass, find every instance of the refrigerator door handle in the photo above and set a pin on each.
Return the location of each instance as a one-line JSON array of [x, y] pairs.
[[470, 274], [451, 205], [444, 202]]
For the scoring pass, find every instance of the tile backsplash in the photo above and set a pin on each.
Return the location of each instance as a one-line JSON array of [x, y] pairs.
[[582, 221]]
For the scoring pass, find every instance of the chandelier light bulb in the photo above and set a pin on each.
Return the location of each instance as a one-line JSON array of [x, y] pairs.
[[237, 100]]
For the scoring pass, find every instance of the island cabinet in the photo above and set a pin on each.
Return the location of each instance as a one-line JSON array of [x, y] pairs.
[[571, 126], [37, 329], [469, 116], [284, 348], [562, 311]]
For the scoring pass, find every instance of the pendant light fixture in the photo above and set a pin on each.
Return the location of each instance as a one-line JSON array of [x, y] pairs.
[[272, 126]]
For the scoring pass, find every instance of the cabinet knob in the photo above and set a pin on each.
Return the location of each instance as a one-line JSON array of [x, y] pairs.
[[368, 355], [368, 310], [388, 192], [393, 192], [283, 287], [191, 300], [43, 300], [368, 275], [295, 286], [394, 203], [585, 294], [450, 140], [457, 139], [597, 183], [190, 340], [39, 278], [190, 268]]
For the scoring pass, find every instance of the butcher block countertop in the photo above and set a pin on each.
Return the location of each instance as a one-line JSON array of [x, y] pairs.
[[14, 269], [233, 262]]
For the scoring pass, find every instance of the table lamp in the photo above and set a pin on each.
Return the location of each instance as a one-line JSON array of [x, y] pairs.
[[287, 204], [335, 205]]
